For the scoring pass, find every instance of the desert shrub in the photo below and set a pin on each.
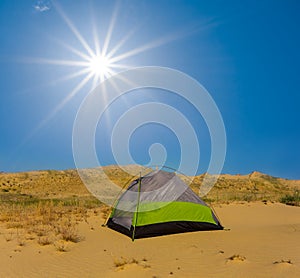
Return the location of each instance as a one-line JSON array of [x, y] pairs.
[[46, 221], [61, 246], [44, 240], [120, 263], [291, 199], [67, 230], [236, 257]]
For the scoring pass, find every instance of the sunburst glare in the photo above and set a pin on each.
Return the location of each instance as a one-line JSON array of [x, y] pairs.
[[95, 64], [100, 66]]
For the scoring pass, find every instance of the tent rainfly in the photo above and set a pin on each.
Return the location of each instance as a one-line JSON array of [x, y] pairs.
[[160, 203]]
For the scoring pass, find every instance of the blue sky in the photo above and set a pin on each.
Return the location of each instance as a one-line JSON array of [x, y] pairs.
[[246, 54]]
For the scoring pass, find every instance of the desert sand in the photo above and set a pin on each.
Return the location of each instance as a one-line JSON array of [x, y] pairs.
[[260, 240]]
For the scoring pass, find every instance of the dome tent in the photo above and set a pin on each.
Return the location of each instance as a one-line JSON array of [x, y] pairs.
[[160, 203]]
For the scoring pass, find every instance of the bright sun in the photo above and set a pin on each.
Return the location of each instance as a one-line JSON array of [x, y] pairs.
[[100, 66], [96, 63]]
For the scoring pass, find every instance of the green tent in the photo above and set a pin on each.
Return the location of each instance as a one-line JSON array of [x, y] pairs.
[[160, 203]]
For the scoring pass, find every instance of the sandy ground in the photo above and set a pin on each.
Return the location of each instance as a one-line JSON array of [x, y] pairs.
[[263, 241]]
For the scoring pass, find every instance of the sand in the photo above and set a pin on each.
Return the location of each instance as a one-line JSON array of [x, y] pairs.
[[261, 240]]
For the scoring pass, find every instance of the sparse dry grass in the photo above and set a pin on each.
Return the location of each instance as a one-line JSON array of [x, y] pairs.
[[44, 240], [66, 229], [236, 258], [45, 222], [61, 246], [48, 205], [105, 210], [283, 262], [120, 263], [247, 188], [67, 187], [291, 199]]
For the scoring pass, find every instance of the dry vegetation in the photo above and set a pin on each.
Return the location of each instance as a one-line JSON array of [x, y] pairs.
[[46, 206], [121, 263], [66, 186], [283, 262], [236, 258], [253, 187], [47, 222]]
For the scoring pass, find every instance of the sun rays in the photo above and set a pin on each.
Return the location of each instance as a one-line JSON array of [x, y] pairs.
[[97, 62]]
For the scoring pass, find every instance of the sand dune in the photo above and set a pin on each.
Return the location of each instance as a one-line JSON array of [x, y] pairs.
[[261, 238], [260, 241], [67, 184]]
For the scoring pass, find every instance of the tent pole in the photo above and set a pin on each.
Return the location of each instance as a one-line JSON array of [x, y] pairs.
[[137, 206], [213, 210], [115, 201]]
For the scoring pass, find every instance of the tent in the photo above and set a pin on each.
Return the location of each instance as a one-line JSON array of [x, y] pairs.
[[160, 203]]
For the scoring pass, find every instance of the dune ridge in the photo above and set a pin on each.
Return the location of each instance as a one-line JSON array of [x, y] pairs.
[[67, 184], [51, 226]]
